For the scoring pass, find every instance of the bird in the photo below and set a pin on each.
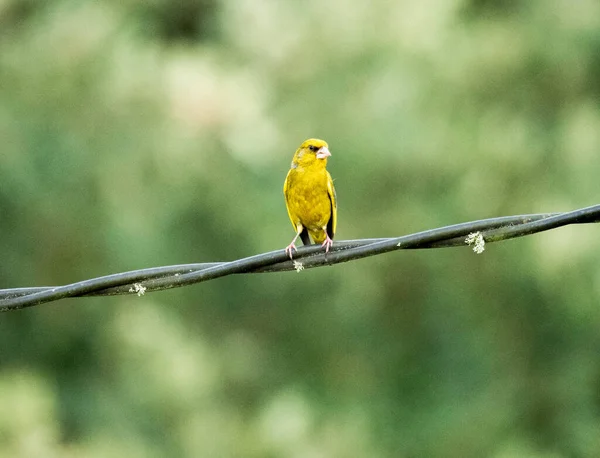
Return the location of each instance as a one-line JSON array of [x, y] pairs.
[[310, 196]]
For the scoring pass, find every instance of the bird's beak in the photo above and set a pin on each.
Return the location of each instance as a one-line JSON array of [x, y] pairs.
[[323, 153]]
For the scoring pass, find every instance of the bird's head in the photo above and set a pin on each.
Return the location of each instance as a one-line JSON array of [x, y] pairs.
[[312, 151]]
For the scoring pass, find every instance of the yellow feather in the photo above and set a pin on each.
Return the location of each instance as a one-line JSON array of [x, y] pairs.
[[309, 192]]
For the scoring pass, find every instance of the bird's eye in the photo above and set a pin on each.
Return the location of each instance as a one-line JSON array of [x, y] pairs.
[[313, 148]]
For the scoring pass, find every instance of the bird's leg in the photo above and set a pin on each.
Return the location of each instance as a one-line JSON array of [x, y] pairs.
[[327, 243], [291, 247]]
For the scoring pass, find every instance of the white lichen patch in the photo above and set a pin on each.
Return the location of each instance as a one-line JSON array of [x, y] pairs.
[[298, 266], [476, 239], [138, 288]]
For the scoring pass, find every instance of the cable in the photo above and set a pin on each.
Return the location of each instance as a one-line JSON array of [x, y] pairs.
[[159, 278]]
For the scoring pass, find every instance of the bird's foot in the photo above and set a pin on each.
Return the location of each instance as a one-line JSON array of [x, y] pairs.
[[290, 249], [327, 244]]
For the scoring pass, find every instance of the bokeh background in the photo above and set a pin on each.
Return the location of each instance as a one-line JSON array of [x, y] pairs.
[[142, 133]]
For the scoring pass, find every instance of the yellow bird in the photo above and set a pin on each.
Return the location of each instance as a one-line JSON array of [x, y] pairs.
[[310, 196]]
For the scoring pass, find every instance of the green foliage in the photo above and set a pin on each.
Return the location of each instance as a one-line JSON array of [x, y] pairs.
[[138, 134]]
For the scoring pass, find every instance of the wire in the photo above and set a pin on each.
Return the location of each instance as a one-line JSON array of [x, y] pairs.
[[159, 278]]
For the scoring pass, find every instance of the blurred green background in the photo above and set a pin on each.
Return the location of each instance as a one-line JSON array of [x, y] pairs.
[[143, 133]]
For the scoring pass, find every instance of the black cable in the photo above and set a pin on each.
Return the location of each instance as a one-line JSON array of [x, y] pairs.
[[158, 278]]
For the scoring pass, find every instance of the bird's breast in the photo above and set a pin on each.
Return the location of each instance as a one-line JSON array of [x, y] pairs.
[[308, 198]]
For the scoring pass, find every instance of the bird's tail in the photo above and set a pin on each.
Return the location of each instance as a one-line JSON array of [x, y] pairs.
[[304, 237]]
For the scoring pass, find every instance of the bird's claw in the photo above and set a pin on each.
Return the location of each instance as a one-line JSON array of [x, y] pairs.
[[327, 244], [290, 249]]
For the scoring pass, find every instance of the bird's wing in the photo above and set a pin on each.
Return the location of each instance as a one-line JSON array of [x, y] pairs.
[[286, 194], [332, 223]]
